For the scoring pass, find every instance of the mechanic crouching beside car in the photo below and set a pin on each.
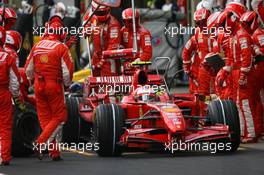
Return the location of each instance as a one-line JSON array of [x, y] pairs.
[[50, 66]]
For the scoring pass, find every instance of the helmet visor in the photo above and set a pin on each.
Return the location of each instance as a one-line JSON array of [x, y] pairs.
[[101, 13]]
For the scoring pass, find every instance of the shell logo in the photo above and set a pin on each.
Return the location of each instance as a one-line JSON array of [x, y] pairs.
[[44, 59]]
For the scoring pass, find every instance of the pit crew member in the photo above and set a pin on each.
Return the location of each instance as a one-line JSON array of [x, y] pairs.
[[250, 22], [219, 46], [191, 64], [50, 65], [143, 35], [9, 86], [105, 35], [202, 44], [240, 61], [13, 44]]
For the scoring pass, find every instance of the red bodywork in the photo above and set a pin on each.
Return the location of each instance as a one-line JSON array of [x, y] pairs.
[[165, 120]]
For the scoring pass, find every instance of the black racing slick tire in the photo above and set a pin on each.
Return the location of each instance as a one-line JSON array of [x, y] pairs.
[[229, 117], [108, 128], [26, 129], [71, 129]]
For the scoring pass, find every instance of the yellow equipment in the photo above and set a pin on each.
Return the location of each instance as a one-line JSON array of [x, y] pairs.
[[81, 75]]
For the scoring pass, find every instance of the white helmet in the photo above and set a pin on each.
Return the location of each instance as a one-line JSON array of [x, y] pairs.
[[207, 4], [26, 8], [60, 10]]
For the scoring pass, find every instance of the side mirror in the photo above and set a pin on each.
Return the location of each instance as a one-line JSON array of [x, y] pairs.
[[109, 3]]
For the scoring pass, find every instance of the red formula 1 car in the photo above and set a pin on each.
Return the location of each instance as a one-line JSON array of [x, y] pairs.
[[139, 112]]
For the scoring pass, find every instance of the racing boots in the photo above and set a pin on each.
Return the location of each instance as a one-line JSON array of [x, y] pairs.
[[37, 150]]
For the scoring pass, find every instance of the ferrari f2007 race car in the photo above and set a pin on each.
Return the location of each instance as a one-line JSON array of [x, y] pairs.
[[139, 112]]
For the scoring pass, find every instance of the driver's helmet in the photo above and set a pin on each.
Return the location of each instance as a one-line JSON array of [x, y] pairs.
[[145, 94]]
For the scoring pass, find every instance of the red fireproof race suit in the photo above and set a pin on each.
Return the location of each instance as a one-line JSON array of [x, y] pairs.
[[202, 44], [224, 91], [24, 84], [9, 86], [50, 65], [143, 41], [105, 36], [258, 39], [24, 88], [13, 53], [240, 58], [191, 64]]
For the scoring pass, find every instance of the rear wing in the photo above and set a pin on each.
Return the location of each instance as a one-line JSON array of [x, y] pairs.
[[122, 80], [115, 84]]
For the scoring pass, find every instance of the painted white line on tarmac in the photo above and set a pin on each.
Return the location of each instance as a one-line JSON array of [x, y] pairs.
[[134, 153]]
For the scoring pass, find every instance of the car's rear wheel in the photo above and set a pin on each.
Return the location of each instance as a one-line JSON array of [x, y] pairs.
[[108, 128], [71, 129], [26, 129], [225, 112]]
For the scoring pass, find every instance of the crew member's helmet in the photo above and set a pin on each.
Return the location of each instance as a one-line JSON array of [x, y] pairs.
[[200, 17], [56, 31], [127, 16], [231, 15], [101, 12], [227, 20], [237, 8], [212, 20], [13, 39], [249, 21], [212, 24], [10, 17]]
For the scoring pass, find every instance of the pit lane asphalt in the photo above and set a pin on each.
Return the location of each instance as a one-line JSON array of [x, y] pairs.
[[249, 159]]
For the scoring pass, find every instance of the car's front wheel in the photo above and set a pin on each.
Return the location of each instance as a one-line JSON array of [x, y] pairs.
[[108, 128], [225, 112]]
